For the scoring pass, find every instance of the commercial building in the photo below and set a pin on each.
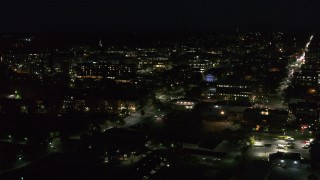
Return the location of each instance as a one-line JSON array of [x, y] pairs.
[[290, 160], [233, 90]]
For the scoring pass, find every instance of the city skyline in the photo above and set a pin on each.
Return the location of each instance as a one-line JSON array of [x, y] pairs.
[[151, 89]]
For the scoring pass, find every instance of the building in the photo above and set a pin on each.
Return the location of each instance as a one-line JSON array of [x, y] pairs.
[[154, 63], [99, 70], [209, 78], [233, 107], [314, 153], [184, 103], [60, 62], [305, 112], [201, 63], [234, 90], [204, 156], [34, 64], [127, 106], [290, 160], [209, 93], [306, 78], [274, 119]]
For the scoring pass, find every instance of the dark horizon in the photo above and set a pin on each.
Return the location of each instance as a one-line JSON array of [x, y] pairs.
[[157, 16], [226, 29]]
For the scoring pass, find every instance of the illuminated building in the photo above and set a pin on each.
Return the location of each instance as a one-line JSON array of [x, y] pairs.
[[234, 90], [98, 70], [184, 103], [154, 63], [306, 78], [200, 64], [209, 78], [34, 64], [209, 93], [60, 62], [127, 105]]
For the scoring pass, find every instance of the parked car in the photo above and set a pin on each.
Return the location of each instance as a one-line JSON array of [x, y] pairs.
[[291, 145], [307, 146]]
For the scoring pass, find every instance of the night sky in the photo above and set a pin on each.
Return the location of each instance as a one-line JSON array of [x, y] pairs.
[[157, 15]]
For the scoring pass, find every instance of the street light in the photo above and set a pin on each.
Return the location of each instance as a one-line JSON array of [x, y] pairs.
[[284, 132]]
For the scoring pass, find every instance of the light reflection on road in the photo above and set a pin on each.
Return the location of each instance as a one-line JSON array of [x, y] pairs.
[[294, 67]]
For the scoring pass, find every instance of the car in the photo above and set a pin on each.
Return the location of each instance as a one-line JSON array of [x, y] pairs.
[[291, 145], [281, 146], [307, 146], [306, 142], [289, 139], [267, 145], [258, 144]]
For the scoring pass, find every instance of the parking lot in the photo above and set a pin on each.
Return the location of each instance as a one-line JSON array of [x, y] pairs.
[[265, 144]]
